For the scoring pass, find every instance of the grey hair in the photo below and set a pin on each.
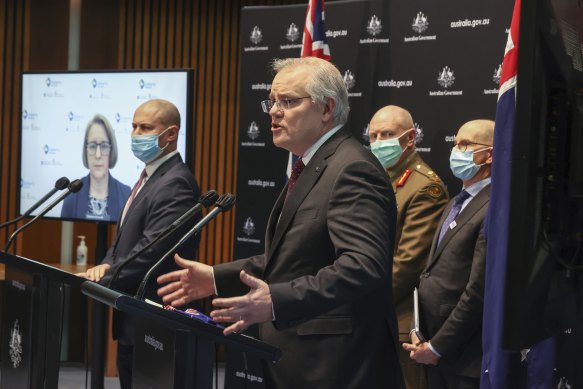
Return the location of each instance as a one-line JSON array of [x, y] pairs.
[[325, 81]]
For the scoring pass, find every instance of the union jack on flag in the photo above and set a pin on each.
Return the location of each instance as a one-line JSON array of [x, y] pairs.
[[313, 45], [314, 39]]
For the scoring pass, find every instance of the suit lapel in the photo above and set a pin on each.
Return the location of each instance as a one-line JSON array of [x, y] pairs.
[[143, 192], [436, 235], [464, 217], [274, 218], [302, 188]]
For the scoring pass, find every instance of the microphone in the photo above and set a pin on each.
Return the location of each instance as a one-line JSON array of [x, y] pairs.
[[60, 184], [73, 187], [224, 203], [204, 201]]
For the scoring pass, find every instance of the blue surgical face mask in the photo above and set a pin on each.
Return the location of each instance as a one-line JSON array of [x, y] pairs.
[[388, 151], [462, 164], [145, 147]]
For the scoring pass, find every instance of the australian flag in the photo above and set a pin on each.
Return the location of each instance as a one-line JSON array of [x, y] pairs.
[[314, 39], [502, 369]]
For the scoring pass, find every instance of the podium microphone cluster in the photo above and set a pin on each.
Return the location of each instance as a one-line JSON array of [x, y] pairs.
[[224, 203], [73, 187], [60, 184], [204, 201]]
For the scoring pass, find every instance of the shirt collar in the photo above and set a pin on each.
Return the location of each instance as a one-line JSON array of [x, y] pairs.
[[313, 148], [476, 187], [152, 167]]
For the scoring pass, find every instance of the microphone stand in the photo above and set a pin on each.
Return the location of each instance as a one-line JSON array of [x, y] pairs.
[[74, 187], [224, 203], [60, 184], [206, 200]]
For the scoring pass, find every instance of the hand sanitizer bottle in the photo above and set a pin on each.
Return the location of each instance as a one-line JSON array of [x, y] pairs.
[[81, 252]]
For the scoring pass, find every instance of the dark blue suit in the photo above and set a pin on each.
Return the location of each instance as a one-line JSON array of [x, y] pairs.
[[75, 205], [166, 195]]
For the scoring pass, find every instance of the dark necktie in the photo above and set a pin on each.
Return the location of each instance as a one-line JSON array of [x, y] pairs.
[[296, 171], [453, 212]]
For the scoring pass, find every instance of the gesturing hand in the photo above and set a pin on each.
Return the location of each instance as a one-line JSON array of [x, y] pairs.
[[242, 311], [193, 282]]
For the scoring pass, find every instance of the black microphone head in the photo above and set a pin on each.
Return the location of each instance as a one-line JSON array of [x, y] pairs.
[[75, 186], [62, 183], [209, 198], [225, 202]]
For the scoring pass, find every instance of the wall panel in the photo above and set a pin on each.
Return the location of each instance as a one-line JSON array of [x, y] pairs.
[[129, 34]]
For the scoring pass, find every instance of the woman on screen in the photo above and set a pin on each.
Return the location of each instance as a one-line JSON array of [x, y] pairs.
[[102, 196]]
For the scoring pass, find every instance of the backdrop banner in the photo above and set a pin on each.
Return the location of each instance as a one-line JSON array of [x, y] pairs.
[[440, 62]]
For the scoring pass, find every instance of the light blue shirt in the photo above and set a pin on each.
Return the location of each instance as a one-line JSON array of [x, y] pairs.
[[309, 153], [474, 189]]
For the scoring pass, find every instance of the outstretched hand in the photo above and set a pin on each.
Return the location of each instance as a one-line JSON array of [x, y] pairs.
[[193, 282], [243, 311]]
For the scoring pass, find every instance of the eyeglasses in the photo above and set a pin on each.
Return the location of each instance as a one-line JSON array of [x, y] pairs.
[[104, 147], [282, 105], [463, 145]]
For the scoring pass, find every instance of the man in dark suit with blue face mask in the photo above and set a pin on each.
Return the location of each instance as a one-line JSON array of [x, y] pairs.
[[165, 191], [451, 288]]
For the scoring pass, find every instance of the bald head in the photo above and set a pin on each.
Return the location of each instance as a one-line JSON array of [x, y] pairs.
[[162, 111], [393, 116], [479, 131]]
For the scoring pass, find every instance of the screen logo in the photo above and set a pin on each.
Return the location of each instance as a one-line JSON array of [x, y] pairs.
[[292, 33], [15, 345], [446, 78], [249, 227], [253, 131], [256, 37], [374, 26], [420, 23]]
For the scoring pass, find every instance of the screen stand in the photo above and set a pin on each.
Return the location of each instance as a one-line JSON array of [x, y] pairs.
[[99, 310]]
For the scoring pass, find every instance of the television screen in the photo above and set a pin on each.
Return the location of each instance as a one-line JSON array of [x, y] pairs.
[[66, 125]]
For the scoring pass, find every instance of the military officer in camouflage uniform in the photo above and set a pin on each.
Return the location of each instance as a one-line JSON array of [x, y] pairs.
[[421, 198]]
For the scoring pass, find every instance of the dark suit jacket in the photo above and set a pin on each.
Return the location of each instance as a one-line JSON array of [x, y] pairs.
[[166, 196], [75, 205], [451, 290], [328, 259]]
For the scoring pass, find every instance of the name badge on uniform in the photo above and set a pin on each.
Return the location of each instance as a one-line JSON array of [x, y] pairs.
[[452, 225]]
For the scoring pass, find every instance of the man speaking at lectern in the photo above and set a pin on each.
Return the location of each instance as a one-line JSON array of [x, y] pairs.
[[321, 292], [165, 191]]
